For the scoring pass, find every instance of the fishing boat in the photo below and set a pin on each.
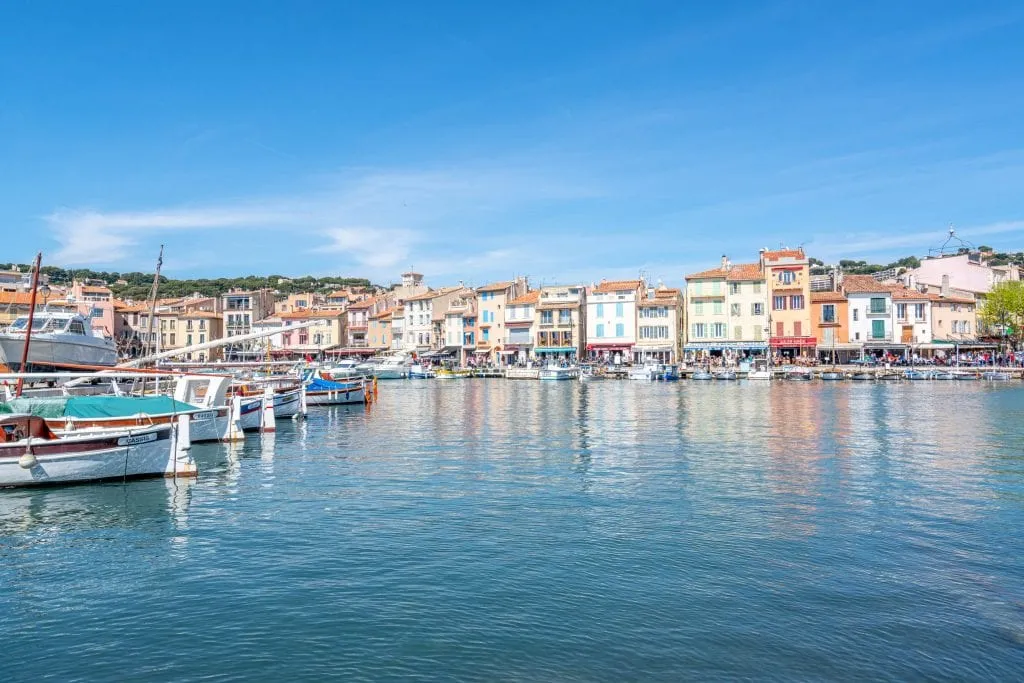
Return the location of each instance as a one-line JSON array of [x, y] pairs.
[[863, 376], [57, 339], [31, 454], [760, 370], [667, 373], [832, 376], [798, 374], [324, 392], [454, 373], [289, 398], [996, 376], [943, 375], [645, 373], [965, 376], [558, 373], [724, 375], [420, 371], [701, 375], [588, 373], [917, 375], [345, 370]]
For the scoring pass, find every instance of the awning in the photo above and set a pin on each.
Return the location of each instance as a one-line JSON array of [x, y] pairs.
[[793, 342], [557, 349], [609, 347], [726, 346], [652, 349], [482, 351], [845, 346]]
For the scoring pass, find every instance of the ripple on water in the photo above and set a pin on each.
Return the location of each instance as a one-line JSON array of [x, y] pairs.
[[489, 530]]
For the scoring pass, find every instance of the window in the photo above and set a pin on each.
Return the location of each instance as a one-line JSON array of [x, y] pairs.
[[877, 305], [778, 303], [856, 336], [787, 277], [600, 330], [699, 330], [901, 311], [828, 313], [878, 329], [564, 316], [780, 330], [757, 288], [757, 333], [798, 329], [620, 330], [919, 311], [796, 302], [718, 330], [618, 311], [600, 310], [757, 309], [717, 307], [698, 288], [172, 339], [547, 317], [856, 315], [698, 308], [737, 332], [654, 332], [188, 340], [735, 310], [967, 327], [75, 327], [486, 334], [734, 288]]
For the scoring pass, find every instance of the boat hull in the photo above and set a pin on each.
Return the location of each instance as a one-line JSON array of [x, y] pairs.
[[58, 351], [96, 456], [205, 425], [287, 403]]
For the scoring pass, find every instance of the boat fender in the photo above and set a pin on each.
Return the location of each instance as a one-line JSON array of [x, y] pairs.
[[28, 459]]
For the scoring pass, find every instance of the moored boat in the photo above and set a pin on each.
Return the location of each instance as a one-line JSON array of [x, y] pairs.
[[558, 373], [917, 375], [322, 392], [724, 375], [798, 374], [996, 376], [31, 454], [943, 375], [832, 376], [57, 339], [863, 376], [701, 375]]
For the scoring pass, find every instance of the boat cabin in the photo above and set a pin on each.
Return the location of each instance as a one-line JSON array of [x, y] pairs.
[[14, 428], [48, 322]]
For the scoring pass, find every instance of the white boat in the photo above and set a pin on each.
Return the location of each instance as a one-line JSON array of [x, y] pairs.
[[58, 339], [31, 454], [760, 371], [647, 372], [393, 367], [420, 371], [557, 373], [727, 375], [346, 369]]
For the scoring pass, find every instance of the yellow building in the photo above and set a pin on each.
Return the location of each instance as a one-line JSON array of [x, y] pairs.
[[787, 275]]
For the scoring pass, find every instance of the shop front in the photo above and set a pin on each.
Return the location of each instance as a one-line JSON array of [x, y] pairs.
[[652, 354], [792, 348], [556, 354], [615, 354], [725, 353]]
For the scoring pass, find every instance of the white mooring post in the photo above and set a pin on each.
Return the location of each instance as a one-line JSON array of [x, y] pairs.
[[302, 402], [181, 463], [235, 432], [269, 422]]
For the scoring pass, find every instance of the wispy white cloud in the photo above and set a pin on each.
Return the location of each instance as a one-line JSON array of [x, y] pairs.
[[862, 243]]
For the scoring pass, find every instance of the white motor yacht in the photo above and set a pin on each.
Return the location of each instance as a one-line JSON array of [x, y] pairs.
[[57, 339]]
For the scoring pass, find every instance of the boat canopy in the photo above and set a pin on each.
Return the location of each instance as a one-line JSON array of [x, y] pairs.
[[95, 406]]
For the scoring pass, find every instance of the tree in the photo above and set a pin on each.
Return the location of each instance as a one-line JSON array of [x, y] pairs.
[[1004, 306]]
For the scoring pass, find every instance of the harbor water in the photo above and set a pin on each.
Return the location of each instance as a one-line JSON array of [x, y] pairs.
[[525, 531]]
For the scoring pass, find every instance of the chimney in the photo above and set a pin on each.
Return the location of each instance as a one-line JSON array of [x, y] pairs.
[[725, 262], [945, 285]]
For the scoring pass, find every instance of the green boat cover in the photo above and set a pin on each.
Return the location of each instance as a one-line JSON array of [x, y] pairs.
[[95, 406]]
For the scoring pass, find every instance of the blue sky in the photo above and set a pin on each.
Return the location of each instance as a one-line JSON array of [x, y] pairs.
[[566, 141]]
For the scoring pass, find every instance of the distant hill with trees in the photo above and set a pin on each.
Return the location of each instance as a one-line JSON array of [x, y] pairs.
[[136, 285]]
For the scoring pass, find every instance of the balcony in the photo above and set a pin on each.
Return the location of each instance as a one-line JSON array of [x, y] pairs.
[[875, 311]]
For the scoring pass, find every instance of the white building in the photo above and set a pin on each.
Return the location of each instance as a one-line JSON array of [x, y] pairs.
[[611, 319], [871, 314], [911, 316]]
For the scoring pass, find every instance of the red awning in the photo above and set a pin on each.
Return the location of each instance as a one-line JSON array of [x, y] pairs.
[[787, 342]]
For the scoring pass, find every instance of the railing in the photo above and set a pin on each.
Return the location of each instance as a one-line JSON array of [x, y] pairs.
[[886, 310]]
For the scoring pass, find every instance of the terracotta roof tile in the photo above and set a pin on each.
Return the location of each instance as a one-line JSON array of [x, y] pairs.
[[827, 297], [528, 298], [495, 287], [863, 284], [784, 253], [708, 274], [744, 271], [607, 286]]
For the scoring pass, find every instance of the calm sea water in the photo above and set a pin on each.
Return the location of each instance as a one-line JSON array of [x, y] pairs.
[[504, 531]]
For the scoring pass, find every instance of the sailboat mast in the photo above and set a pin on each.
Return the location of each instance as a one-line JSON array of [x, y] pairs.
[[31, 318], [152, 301]]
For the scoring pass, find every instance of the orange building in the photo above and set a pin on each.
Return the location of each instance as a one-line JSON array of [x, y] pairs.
[[830, 313], [787, 274]]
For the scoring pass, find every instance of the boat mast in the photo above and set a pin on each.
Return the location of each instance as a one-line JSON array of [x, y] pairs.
[[152, 302], [31, 318]]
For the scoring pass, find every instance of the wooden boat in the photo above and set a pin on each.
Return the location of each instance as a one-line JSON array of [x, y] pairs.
[[832, 376], [454, 373], [996, 376], [917, 375], [31, 454], [863, 376], [965, 376], [796, 374], [322, 392], [890, 377], [943, 375]]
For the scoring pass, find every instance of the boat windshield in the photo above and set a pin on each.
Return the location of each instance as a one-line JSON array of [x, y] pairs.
[[38, 325]]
